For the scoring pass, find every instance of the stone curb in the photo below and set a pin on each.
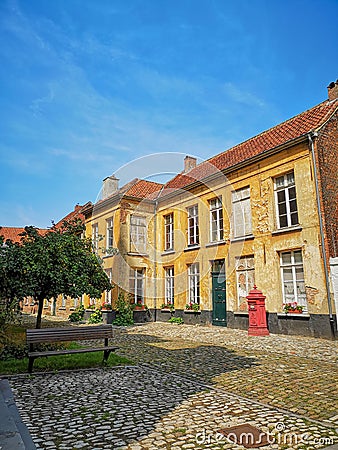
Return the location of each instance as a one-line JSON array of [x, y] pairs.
[[14, 434]]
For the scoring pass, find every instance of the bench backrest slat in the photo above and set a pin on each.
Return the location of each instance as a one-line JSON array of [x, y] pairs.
[[35, 336]]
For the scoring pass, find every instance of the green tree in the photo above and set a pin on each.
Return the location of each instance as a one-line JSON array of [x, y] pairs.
[[57, 262]]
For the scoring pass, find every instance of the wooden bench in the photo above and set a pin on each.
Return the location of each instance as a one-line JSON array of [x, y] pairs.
[[68, 334]]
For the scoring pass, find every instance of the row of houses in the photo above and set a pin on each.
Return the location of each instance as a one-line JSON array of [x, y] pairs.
[[264, 212]]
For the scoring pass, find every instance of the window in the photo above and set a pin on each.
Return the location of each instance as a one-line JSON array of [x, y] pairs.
[[63, 301], [241, 210], [108, 293], [193, 232], [194, 283], [216, 220], [169, 231], [286, 204], [245, 276], [77, 302], [95, 237], [136, 285], [169, 286], [109, 233], [138, 234], [292, 273]]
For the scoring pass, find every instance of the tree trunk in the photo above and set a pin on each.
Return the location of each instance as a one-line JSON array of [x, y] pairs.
[[38, 317]]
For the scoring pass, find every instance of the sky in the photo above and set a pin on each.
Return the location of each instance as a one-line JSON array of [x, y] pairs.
[[89, 88]]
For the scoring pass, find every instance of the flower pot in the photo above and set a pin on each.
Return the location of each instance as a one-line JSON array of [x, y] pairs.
[[108, 316], [295, 312], [88, 313]]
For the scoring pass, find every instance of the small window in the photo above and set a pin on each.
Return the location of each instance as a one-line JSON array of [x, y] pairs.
[[292, 273], [241, 212], [216, 220], [286, 203], [95, 237], [108, 294], [109, 233], [245, 275], [193, 230], [194, 283], [169, 285], [169, 231], [138, 234], [136, 285]]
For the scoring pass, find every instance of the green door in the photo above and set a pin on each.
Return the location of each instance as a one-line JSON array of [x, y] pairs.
[[218, 294]]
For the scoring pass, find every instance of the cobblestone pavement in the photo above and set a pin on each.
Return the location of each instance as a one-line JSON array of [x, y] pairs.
[[189, 383]]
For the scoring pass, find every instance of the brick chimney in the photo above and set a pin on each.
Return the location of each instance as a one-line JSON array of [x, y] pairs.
[[110, 186], [189, 163], [332, 90]]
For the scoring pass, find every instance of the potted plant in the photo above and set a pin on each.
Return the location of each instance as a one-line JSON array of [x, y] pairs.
[[167, 307], [293, 308], [108, 315], [141, 312], [192, 308]]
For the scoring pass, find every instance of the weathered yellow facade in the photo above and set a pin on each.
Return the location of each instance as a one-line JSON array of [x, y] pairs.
[[267, 232]]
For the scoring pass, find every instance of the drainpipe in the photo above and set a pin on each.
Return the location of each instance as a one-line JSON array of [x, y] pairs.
[[155, 254], [321, 227]]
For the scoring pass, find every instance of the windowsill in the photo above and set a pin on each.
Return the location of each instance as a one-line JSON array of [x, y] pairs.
[[249, 237], [287, 230], [294, 316], [72, 309], [168, 252], [241, 313], [137, 254], [192, 247], [62, 308], [167, 310], [213, 244], [191, 311]]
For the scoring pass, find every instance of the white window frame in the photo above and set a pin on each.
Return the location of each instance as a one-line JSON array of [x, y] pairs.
[[95, 237], [63, 301], [296, 266], [169, 231], [241, 212], [109, 233], [243, 268], [286, 183], [216, 220], [193, 229], [136, 284], [138, 234], [169, 285], [194, 283], [108, 293]]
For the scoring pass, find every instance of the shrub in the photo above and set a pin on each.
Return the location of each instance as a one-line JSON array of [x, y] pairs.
[[96, 317], [124, 316], [77, 315], [177, 320]]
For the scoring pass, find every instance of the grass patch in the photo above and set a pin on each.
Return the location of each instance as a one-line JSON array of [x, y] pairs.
[[63, 362]]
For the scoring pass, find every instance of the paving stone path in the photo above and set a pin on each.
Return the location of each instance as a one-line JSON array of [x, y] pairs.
[[187, 385]]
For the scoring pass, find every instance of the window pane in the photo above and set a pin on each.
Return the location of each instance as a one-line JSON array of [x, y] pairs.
[[286, 258]]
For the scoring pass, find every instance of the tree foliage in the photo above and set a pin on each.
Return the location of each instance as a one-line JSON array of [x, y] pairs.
[[46, 265]]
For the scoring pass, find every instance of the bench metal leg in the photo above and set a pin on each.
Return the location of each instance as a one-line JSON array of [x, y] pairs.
[[106, 354], [30, 364]]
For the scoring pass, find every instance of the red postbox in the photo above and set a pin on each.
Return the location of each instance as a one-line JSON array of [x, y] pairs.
[[257, 313]]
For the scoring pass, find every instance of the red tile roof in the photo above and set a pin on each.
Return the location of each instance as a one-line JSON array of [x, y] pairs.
[[144, 189], [310, 120], [76, 214], [13, 233]]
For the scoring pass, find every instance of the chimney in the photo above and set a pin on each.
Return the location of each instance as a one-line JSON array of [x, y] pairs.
[[332, 90], [110, 186], [189, 163]]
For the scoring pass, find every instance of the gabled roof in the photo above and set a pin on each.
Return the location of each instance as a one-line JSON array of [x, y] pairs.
[[144, 189], [308, 121], [13, 233]]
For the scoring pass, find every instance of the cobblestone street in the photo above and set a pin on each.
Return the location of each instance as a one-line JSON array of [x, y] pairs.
[[189, 382]]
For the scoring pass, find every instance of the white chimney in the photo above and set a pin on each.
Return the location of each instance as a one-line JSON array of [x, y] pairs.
[[189, 163], [110, 186]]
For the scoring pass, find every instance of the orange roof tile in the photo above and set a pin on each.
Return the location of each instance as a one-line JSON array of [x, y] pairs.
[[144, 189], [76, 214], [310, 120], [13, 233]]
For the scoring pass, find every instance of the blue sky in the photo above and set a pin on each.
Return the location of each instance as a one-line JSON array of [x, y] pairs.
[[89, 86]]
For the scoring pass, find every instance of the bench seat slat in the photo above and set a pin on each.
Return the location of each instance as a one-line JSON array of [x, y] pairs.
[[70, 352], [68, 334]]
